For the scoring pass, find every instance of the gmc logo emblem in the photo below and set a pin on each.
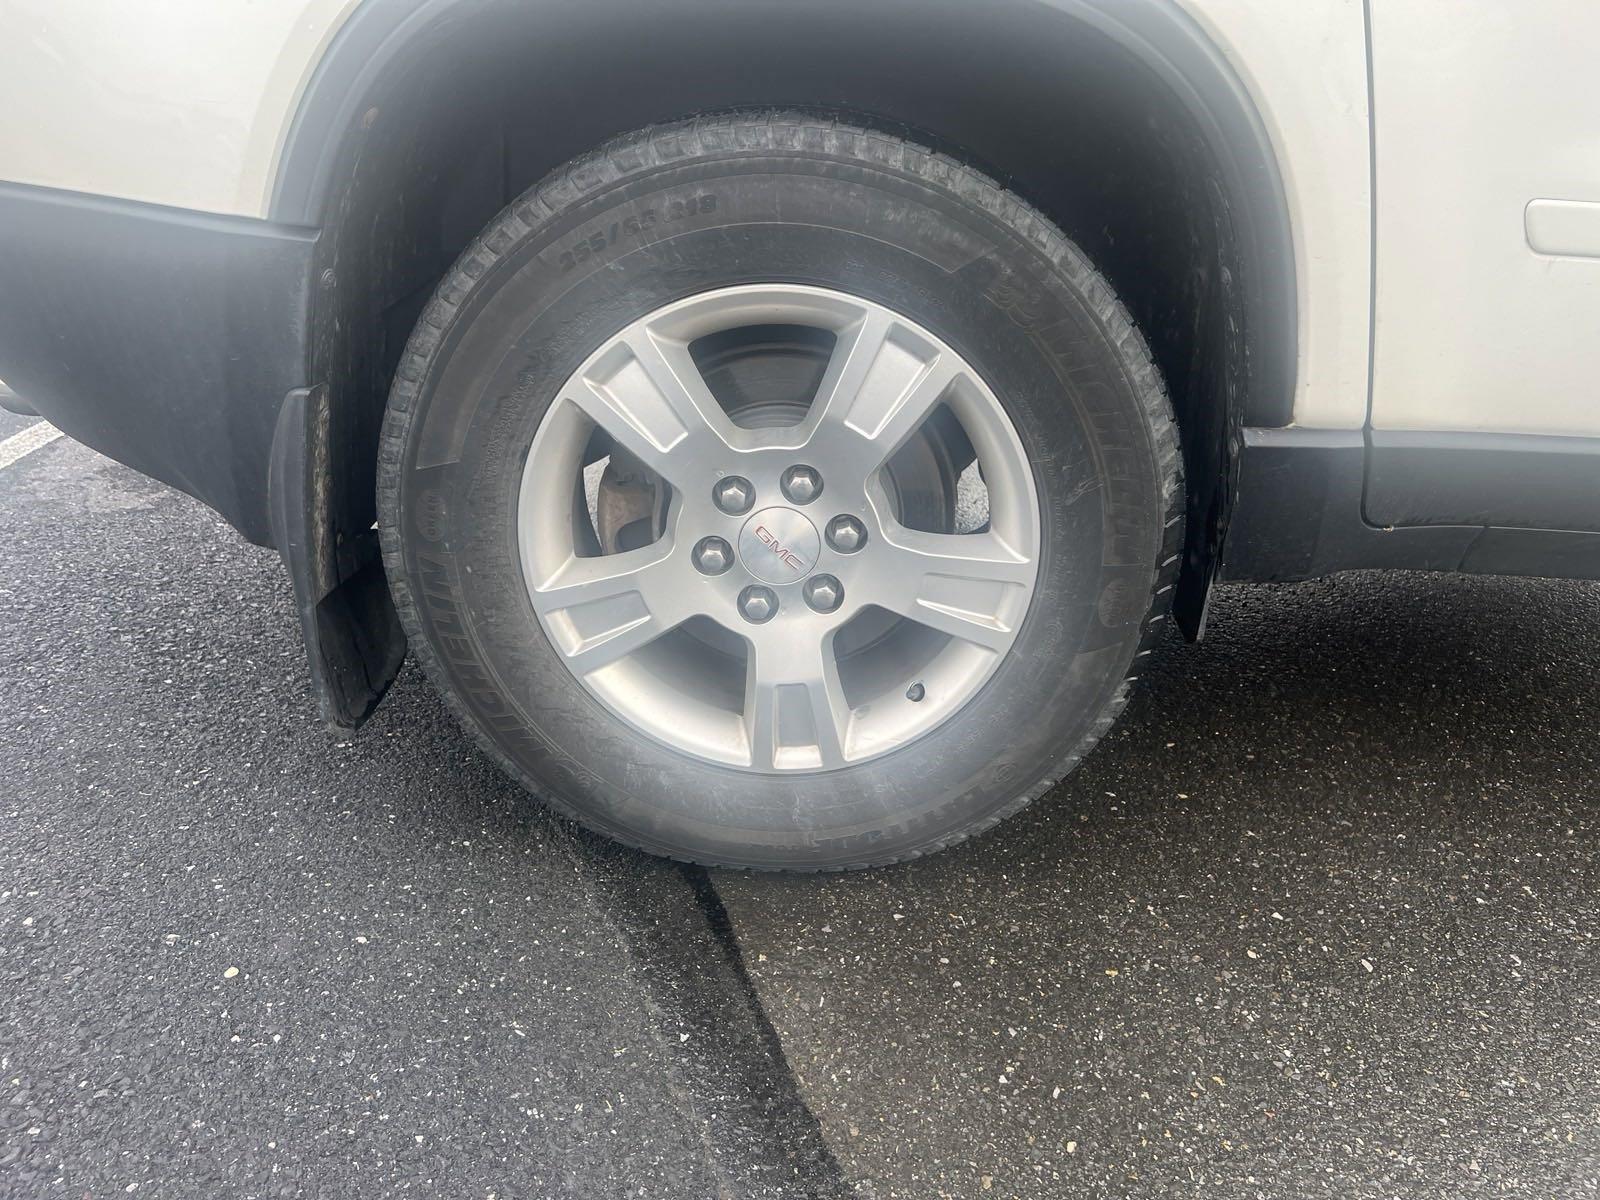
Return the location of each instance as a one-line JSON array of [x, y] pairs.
[[772, 544]]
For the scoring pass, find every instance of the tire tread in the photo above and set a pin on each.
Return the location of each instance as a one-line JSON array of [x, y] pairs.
[[633, 155]]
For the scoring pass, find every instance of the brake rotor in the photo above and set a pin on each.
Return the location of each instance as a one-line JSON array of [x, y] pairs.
[[630, 506]]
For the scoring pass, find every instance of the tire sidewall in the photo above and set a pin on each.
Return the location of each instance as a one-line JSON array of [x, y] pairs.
[[536, 297]]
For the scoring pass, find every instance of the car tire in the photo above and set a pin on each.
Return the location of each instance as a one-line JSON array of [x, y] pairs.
[[824, 209]]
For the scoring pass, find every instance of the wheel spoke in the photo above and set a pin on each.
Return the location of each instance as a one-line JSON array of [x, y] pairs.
[[648, 394], [921, 621], [603, 609], [795, 711], [966, 585], [881, 384]]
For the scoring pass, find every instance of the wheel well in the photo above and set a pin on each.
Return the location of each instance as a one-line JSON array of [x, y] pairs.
[[1117, 118]]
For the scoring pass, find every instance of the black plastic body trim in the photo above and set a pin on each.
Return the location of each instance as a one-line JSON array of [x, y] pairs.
[[164, 338], [177, 342], [1172, 44], [1299, 514], [364, 48], [1526, 481], [354, 642], [15, 404]]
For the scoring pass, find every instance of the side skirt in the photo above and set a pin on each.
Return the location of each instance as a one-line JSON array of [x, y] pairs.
[[1300, 510]]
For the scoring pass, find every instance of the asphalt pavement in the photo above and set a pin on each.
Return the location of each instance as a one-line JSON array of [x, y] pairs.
[[237, 957], [1317, 920]]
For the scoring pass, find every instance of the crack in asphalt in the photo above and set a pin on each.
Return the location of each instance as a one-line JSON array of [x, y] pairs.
[[762, 1140]]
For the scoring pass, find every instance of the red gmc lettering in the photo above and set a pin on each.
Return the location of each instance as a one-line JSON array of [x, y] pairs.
[[768, 540]]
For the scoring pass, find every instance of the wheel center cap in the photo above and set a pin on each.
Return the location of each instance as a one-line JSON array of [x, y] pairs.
[[778, 545]]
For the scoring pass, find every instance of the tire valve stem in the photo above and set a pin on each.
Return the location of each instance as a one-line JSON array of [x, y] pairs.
[[915, 693]]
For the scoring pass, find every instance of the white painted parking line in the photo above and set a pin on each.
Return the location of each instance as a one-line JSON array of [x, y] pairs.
[[19, 445]]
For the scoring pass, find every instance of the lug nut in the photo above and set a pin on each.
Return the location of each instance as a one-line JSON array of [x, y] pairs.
[[712, 556], [758, 604], [802, 484], [824, 593], [734, 495], [846, 534]]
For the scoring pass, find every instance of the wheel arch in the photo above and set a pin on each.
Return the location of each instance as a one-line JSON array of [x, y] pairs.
[[1120, 119]]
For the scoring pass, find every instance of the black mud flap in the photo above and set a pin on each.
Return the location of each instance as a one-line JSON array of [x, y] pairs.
[[353, 637]]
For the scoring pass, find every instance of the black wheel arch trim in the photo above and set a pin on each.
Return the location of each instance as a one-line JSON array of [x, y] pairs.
[[1158, 33]]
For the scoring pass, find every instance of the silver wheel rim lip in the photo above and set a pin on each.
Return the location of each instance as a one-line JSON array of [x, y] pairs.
[[603, 615]]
